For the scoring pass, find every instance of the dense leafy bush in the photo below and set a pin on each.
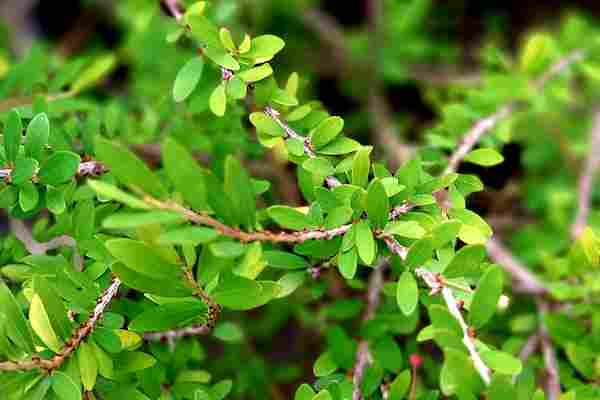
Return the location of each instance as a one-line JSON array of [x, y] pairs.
[[145, 260]]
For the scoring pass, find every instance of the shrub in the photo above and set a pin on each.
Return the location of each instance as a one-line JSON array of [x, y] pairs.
[[133, 262]]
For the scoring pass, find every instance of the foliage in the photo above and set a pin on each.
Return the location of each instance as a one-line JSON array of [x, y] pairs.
[[130, 263]]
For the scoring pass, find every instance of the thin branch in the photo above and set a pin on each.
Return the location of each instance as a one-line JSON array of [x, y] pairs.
[[552, 383], [363, 355], [173, 7], [437, 285], [483, 126], [586, 179], [80, 334], [290, 133], [530, 346], [174, 334], [23, 233], [525, 281], [86, 168]]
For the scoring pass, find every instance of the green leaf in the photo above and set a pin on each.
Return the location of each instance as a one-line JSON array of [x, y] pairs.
[[445, 233], [265, 124], [28, 196], [407, 293], [146, 264], [53, 305], [264, 48], [419, 253], [283, 260], [123, 220], [185, 173], [37, 135], [361, 165], [13, 133], [348, 263], [378, 205], [40, 323], [407, 229], [304, 392], [257, 73], [227, 39], [17, 330], [55, 200], [98, 69], [204, 30], [187, 79], [502, 362], [60, 167], [236, 88], [400, 385], [465, 262], [191, 235], [290, 218], [326, 131], [222, 57], [114, 193], [239, 188], [485, 299], [237, 293], [170, 316], [365, 243], [319, 166], [218, 100], [485, 157], [131, 361], [128, 168], [88, 366], [339, 146], [64, 387], [324, 365], [24, 170]]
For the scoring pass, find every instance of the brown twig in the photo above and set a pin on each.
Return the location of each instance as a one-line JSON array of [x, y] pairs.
[[80, 334], [23, 233], [483, 126], [552, 382], [363, 355], [586, 179], [525, 281]]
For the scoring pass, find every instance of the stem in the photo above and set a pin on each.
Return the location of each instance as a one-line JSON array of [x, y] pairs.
[[483, 126], [73, 342], [438, 286], [586, 179], [86, 168], [290, 133], [363, 355], [552, 383], [525, 280]]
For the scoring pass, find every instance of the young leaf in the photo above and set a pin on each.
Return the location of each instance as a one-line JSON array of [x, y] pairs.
[[365, 243], [419, 253], [257, 73], [114, 193], [222, 57], [13, 134], [348, 263], [128, 168], [407, 229], [218, 100], [378, 205], [124, 220], [318, 166], [17, 330], [204, 30], [53, 305], [187, 78], [502, 362], [485, 299], [59, 168], [264, 48], [191, 235], [28, 196], [485, 157], [265, 125], [407, 293], [37, 135]]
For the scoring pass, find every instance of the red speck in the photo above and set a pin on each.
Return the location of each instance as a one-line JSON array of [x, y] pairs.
[[415, 360]]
